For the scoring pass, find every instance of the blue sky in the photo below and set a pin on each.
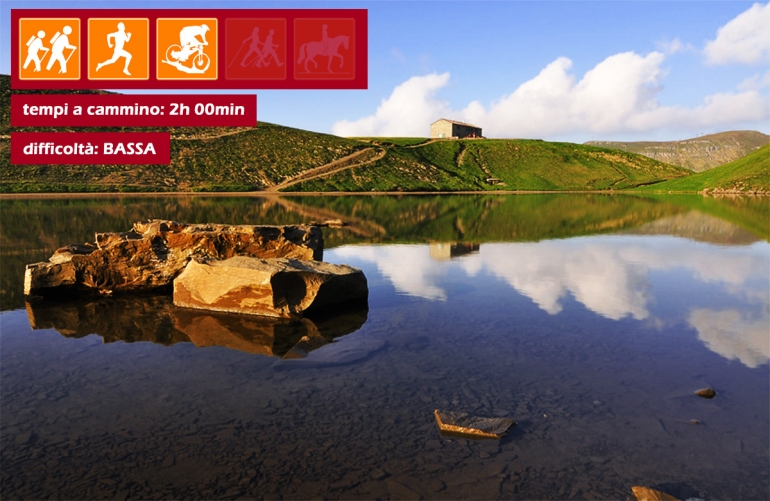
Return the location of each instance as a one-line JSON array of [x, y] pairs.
[[557, 70]]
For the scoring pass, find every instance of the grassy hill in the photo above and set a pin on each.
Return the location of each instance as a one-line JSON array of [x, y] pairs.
[[697, 154], [273, 157], [491, 165], [748, 174]]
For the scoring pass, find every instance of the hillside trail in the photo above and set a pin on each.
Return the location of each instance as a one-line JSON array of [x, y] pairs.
[[341, 164], [229, 132], [426, 143]]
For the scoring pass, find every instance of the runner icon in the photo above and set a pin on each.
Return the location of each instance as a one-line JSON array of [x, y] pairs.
[[60, 44], [120, 38], [34, 45]]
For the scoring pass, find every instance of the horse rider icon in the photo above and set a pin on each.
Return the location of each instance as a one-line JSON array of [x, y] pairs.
[[35, 44], [327, 46], [60, 43], [120, 37]]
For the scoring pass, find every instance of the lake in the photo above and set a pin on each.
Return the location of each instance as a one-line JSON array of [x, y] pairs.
[[590, 320]]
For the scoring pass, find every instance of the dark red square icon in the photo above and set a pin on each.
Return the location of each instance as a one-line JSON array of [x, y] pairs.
[[255, 49], [324, 49]]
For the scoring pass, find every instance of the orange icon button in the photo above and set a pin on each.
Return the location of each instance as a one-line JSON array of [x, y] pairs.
[[186, 49], [49, 49], [118, 49]]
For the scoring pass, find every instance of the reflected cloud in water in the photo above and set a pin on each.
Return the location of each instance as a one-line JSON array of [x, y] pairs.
[[613, 276], [734, 335]]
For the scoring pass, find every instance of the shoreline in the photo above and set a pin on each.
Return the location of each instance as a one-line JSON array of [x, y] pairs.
[[262, 194]]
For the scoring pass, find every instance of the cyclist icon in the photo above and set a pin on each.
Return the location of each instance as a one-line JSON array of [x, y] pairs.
[[189, 45]]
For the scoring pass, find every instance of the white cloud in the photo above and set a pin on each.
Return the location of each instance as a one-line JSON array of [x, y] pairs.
[[617, 96], [407, 111], [745, 39], [672, 46], [756, 82]]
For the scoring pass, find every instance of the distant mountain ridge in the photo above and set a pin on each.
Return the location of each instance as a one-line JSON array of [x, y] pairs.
[[697, 154]]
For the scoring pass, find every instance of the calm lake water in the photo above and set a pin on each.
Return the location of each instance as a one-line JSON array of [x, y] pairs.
[[589, 320]]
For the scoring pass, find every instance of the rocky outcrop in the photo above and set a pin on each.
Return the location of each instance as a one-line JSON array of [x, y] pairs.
[[283, 288], [154, 318], [154, 252]]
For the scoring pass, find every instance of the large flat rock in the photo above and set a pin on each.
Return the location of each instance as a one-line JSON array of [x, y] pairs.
[[283, 288], [154, 252]]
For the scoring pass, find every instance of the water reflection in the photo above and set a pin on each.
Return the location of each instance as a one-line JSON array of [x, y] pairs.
[[157, 320], [615, 277], [734, 334]]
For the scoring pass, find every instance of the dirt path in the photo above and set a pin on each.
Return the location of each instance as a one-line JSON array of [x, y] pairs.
[[356, 159], [461, 155], [228, 132], [420, 145]]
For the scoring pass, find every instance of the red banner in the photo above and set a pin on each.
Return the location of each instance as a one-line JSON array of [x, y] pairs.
[[121, 110], [189, 48], [90, 148]]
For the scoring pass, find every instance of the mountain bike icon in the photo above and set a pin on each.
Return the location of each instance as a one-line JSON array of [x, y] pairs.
[[178, 56]]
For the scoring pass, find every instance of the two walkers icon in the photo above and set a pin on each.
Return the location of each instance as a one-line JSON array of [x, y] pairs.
[[59, 44], [261, 55]]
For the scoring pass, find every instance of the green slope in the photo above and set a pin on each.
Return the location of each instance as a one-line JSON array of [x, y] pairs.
[[493, 165], [748, 174]]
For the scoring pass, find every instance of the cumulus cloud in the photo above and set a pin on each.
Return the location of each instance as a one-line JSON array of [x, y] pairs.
[[410, 106], [618, 95], [745, 39]]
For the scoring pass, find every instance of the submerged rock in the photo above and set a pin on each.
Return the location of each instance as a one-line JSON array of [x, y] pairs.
[[154, 252], [283, 288], [647, 494], [466, 424], [706, 393]]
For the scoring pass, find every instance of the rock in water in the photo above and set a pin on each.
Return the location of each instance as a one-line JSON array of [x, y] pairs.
[[706, 393], [647, 494], [466, 424], [155, 252], [283, 288]]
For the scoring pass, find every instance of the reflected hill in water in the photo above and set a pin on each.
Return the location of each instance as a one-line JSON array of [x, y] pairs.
[[157, 320], [697, 226], [32, 229]]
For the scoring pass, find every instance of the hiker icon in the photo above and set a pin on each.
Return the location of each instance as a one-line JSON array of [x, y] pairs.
[[327, 46], [120, 38], [261, 56], [34, 45], [189, 44], [60, 42]]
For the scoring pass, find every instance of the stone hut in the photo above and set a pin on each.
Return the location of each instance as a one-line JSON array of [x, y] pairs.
[[452, 129]]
